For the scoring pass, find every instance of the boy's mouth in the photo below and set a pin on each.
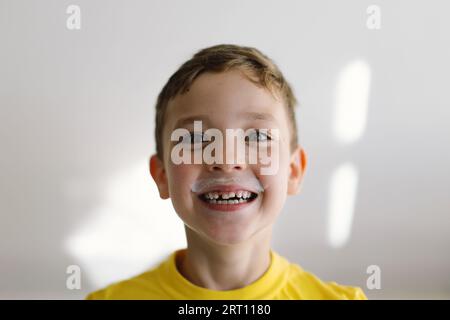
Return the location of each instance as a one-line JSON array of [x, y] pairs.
[[228, 194], [234, 197]]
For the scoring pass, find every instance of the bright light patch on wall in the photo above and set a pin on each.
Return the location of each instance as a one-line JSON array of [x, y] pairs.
[[343, 187], [129, 231], [352, 97]]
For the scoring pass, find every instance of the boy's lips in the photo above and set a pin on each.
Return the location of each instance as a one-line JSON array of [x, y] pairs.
[[227, 197]]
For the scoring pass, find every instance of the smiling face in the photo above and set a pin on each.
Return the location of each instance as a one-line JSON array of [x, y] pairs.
[[228, 100]]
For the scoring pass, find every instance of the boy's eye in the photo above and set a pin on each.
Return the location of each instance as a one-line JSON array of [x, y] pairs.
[[195, 137], [257, 135]]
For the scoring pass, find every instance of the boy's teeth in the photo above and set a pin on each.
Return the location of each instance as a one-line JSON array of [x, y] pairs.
[[228, 195], [227, 201], [222, 197]]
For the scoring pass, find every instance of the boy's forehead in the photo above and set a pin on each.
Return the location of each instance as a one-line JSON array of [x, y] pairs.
[[223, 95]]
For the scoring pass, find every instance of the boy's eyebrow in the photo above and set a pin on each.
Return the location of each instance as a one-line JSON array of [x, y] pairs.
[[248, 115], [190, 120], [259, 116]]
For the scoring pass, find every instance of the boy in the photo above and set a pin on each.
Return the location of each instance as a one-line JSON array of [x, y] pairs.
[[228, 207]]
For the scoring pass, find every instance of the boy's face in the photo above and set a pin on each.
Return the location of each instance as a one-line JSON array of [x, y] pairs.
[[225, 101]]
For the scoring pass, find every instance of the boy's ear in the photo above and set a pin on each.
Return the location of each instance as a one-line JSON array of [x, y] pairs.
[[297, 169], [159, 175]]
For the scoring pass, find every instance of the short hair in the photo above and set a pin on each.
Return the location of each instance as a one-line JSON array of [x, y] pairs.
[[256, 66]]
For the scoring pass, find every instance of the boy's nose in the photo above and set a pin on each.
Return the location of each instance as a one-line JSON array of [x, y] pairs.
[[232, 156], [235, 161], [226, 167]]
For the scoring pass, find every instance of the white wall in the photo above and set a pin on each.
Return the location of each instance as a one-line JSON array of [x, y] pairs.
[[76, 114]]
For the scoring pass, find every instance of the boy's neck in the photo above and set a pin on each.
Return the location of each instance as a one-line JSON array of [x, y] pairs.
[[219, 267]]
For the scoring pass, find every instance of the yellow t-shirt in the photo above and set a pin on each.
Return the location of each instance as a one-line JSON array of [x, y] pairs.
[[282, 280]]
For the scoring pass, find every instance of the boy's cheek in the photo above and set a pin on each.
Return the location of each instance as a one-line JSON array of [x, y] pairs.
[[274, 176], [180, 170], [181, 176]]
